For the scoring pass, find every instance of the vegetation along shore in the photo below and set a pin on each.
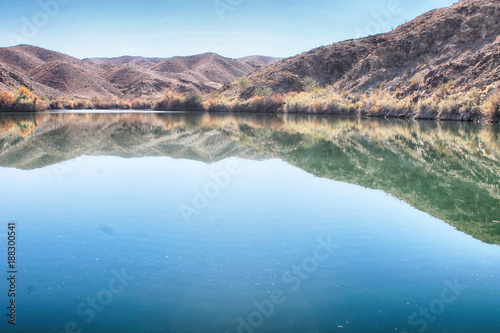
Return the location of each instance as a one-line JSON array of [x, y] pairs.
[[442, 105], [443, 65]]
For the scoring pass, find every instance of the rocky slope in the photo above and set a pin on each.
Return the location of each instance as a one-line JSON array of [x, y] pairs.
[[202, 73], [443, 65], [52, 74], [459, 45]]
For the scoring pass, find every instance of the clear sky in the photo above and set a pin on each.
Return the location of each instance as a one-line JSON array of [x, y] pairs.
[[232, 28]]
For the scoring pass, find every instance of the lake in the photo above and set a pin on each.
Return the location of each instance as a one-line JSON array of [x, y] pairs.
[[179, 222]]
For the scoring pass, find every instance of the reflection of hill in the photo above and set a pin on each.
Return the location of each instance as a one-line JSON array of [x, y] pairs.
[[451, 171], [29, 142]]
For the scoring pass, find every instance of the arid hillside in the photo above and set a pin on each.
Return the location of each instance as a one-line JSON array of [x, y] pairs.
[[52, 74], [204, 73], [457, 48], [443, 65], [48, 73]]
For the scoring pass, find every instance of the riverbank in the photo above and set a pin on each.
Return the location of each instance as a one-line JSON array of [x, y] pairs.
[[475, 106]]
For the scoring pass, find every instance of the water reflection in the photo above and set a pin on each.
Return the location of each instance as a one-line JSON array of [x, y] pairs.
[[449, 170], [105, 245]]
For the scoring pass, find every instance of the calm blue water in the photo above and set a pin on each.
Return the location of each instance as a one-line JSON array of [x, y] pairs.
[[157, 244]]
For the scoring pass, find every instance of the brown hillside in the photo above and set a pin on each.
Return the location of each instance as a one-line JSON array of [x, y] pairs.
[[458, 45], [204, 73], [209, 69], [52, 74], [136, 81], [259, 61], [139, 61], [27, 57]]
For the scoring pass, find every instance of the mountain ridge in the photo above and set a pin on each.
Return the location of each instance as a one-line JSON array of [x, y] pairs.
[[443, 65], [52, 74], [460, 43]]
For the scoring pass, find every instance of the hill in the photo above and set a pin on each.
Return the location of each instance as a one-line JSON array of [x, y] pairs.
[[443, 65], [259, 61], [458, 46], [48, 73], [204, 73], [52, 74]]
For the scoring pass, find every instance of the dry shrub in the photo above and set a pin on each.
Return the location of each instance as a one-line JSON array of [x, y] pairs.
[[56, 105], [25, 93], [491, 107], [219, 104], [165, 103], [139, 104], [7, 100], [68, 105], [123, 105], [99, 104], [25, 100], [172, 102], [270, 103], [83, 104]]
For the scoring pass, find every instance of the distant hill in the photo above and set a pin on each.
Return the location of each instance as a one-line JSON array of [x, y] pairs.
[[52, 74], [202, 73], [259, 61], [444, 65], [459, 45]]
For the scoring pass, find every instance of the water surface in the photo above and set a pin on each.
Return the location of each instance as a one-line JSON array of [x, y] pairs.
[[198, 223]]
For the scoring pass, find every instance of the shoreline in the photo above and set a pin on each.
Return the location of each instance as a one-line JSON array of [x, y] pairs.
[[474, 120], [473, 106]]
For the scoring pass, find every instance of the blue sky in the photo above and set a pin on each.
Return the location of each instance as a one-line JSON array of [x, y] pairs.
[[232, 28]]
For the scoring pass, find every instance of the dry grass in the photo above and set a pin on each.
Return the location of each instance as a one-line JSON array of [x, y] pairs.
[[492, 106], [173, 102], [267, 103], [99, 104], [139, 104], [439, 106], [7, 100], [475, 105], [218, 104], [23, 100]]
